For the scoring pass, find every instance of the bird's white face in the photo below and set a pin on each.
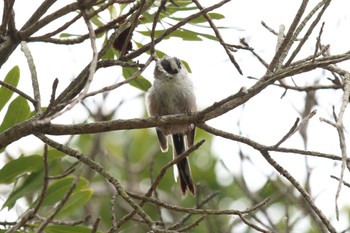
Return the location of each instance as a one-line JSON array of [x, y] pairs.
[[170, 67]]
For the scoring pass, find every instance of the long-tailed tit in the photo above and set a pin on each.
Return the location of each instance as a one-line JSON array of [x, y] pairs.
[[172, 93]]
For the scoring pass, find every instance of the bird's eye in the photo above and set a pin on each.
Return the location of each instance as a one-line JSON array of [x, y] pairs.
[[166, 65], [178, 62]]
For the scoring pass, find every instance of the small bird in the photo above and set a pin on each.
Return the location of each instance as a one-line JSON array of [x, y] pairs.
[[172, 93]]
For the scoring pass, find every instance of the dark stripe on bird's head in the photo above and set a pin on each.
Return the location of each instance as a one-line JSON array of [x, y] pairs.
[[171, 65]]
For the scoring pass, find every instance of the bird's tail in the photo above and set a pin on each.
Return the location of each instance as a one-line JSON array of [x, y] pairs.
[[183, 165]]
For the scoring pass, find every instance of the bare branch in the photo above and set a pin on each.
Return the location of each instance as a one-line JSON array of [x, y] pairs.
[[174, 28], [325, 4], [30, 214], [35, 83], [7, 17], [159, 177], [99, 169], [295, 128], [91, 72], [59, 206], [218, 35], [201, 211], [252, 225], [134, 76], [19, 92], [301, 190], [288, 40]]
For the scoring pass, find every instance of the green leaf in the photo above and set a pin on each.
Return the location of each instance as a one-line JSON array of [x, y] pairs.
[[181, 33], [96, 20], [186, 35], [187, 66], [11, 78], [31, 184], [14, 168], [202, 19], [112, 12], [172, 8], [33, 113], [158, 52], [140, 82], [59, 188], [67, 229], [18, 111], [181, 4], [210, 37], [110, 52], [66, 35], [75, 202], [54, 154]]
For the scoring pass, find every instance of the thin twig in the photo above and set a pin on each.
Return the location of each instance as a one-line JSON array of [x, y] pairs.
[[154, 25], [134, 76], [66, 223], [156, 195], [318, 42], [219, 37], [301, 190], [340, 129], [53, 96], [19, 92], [45, 180], [79, 82], [91, 72], [289, 133], [65, 173], [325, 4], [35, 83], [295, 128], [200, 211], [342, 141], [99, 169], [254, 226], [170, 30], [259, 146], [288, 40], [192, 225], [344, 182], [74, 19], [262, 61], [159, 178], [59, 206], [113, 215], [198, 206], [95, 226], [30, 214], [7, 16], [42, 9]]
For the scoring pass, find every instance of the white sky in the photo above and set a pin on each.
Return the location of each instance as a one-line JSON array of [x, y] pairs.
[[265, 118]]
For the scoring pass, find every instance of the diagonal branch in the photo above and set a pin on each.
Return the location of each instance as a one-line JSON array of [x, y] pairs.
[[35, 83], [158, 179], [218, 35], [99, 169], [325, 4], [91, 72], [170, 30], [301, 190]]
